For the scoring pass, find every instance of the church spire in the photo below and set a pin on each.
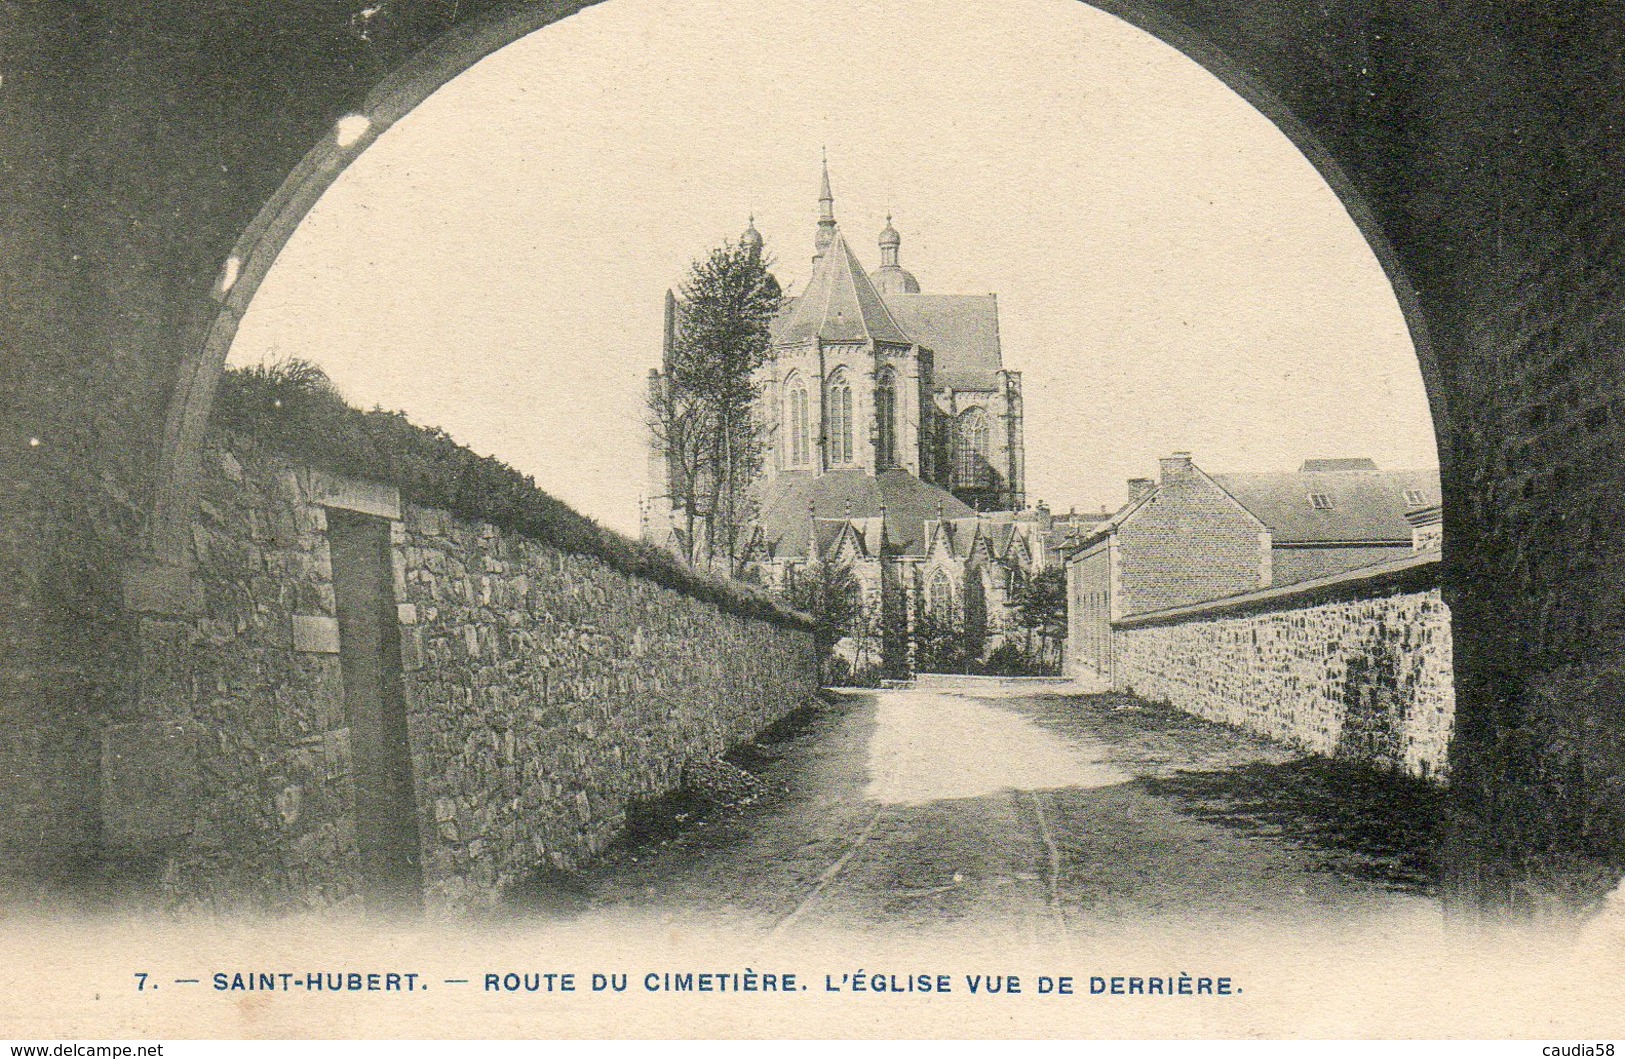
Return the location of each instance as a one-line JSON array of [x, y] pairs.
[[826, 213]]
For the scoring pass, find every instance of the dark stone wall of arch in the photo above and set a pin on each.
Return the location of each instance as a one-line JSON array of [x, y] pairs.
[[1480, 146]]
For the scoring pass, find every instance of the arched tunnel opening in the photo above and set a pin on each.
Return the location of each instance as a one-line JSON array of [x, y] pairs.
[[1499, 264]]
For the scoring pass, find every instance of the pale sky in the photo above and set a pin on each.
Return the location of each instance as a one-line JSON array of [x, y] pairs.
[[1172, 274]]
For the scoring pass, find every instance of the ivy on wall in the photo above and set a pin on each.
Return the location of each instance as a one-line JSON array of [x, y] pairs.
[[292, 408]]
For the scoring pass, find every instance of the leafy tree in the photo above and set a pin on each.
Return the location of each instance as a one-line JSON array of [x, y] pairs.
[[830, 593], [973, 615], [702, 411], [1040, 608], [939, 638], [894, 626], [949, 634]]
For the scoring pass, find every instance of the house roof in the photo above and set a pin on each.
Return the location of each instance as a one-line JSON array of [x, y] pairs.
[[1086, 535], [797, 497], [1425, 515], [1067, 531], [1358, 505], [1359, 463], [839, 305]]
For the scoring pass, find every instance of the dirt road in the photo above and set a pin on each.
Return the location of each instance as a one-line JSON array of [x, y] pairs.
[[1046, 817]]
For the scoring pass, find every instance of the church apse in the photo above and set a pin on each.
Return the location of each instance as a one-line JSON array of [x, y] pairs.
[[888, 415]]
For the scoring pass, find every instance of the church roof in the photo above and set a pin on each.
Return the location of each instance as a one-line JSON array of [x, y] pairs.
[[1001, 534], [961, 329], [894, 279], [961, 535], [796, 498], [840, 305], [828, 533]]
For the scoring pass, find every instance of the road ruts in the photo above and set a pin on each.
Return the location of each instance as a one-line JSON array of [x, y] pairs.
[[1052, 868], [827, 877], [989, 857]]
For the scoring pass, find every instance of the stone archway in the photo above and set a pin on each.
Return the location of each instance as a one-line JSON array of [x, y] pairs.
[[466, 44], [165, 156]]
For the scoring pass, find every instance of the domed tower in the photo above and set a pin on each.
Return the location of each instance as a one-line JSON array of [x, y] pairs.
[[892, 278], [750, 239]]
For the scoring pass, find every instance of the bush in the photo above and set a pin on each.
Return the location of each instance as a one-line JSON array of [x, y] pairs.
[[1011, 659]]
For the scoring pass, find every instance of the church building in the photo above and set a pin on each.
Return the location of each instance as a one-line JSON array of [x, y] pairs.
[[894, 447]]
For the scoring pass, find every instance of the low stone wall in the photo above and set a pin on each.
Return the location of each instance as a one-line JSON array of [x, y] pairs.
[[1366, 678], [543, 693], [976, 683]]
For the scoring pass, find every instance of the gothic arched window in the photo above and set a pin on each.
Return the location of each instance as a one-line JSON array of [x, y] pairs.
[[838, 418], [886, 420], [1015, 579], [795, 418], [972, 447], [940, 593]]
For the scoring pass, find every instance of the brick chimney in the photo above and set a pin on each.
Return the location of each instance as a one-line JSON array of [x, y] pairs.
[[1177, 465], [1139, 487]]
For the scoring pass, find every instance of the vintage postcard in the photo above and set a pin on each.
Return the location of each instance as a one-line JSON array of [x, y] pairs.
[[835, 519]]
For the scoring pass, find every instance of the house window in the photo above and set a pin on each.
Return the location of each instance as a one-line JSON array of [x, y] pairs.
[[972, 470], [940, 594], [796, 417], [886, 420], [1414, 497], [838, 417], [1320, 501]]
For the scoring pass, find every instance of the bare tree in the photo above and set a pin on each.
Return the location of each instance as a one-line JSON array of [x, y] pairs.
[[703, 409], [681, 426]]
